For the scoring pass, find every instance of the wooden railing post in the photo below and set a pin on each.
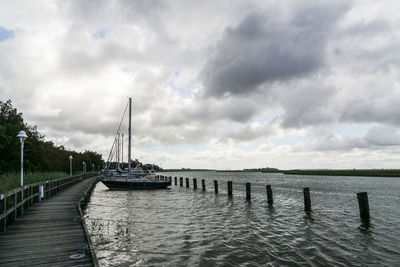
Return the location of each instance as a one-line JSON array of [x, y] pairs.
[[194, 183], [176, 180], [30, 196], [203, 184], [13, 214], [216, 186], [3, 210], [187, 182], [20, 198]]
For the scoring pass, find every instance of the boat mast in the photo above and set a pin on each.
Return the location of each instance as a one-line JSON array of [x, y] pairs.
[[122, 148], [118, 152], [129, 139]]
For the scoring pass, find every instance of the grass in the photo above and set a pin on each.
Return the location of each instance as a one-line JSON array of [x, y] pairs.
[[10, 181]]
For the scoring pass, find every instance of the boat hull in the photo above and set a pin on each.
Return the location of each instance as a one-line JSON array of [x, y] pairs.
[[133, 185]]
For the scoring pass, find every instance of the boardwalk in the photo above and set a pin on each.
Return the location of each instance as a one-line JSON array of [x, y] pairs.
[[48, 233]]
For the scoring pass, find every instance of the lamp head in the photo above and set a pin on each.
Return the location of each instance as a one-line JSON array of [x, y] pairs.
[[70, 157], [22, 135]]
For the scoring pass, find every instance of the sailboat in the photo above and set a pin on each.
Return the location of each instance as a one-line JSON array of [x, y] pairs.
[[132, 178]]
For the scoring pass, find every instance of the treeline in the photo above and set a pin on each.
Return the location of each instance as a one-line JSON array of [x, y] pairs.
[[39, 155], [349, 172], [267, 169], [137, 163]]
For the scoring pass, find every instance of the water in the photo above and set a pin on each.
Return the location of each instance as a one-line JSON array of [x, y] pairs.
[[183, 227]]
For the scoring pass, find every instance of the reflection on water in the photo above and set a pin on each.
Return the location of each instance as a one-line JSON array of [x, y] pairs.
[[182, 226]]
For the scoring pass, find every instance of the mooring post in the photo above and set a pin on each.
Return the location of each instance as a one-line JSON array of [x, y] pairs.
[[216, 186], [181, 181], [270, 200], [203, 184], [187, 182], [194, 183], [307, 199], [363, 205], [176, 180], [248, 191], [229, 188]]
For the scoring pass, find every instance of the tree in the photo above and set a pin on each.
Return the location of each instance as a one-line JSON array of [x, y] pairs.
[[39, 154]]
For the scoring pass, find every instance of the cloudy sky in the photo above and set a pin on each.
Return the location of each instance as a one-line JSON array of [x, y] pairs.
[[215, 84]]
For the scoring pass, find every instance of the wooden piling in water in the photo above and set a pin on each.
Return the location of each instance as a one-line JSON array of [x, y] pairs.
[[229, 188], [248, 191], [363, 205], [194, 183], [176, 180], [307, 199], [203, 184], [216, 186], [181, 181], [187, 182], [270, 199]]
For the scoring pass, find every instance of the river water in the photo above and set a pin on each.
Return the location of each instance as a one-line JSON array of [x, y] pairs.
[[185, 227]]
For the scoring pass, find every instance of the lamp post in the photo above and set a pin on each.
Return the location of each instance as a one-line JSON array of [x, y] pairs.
[[22, 135], [70, 165], [92, 167], [84, 167]]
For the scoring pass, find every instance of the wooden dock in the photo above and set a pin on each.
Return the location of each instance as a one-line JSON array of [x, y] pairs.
[[48, 233]]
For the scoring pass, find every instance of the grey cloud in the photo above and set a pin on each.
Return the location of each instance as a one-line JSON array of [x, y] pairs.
[[380, 136], [307, 104], [383, 136], [233, 108], [368, 47], [249, 133], [265, 47], [367, 28], [382, 109], [170, 124]]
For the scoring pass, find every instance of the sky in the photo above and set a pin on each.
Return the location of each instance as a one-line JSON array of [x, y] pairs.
[[215, 84]]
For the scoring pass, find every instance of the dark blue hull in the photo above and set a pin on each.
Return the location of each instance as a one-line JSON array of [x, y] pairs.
[[121, 185]]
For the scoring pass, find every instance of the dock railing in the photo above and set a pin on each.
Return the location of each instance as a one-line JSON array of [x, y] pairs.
[[13, 203]]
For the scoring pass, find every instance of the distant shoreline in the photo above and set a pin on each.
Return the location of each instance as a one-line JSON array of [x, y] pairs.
[[323, 172], [370, 172]]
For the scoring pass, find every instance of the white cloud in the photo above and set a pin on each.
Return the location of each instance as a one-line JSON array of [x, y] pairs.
[[245, 83]]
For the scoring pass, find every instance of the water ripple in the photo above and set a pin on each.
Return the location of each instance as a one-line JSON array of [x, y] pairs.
[[184, 227]]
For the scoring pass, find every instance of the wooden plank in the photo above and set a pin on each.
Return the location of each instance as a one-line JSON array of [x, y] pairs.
[[42, 242], [52, 229], [53, 261], [31, 255], [46, 235]]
